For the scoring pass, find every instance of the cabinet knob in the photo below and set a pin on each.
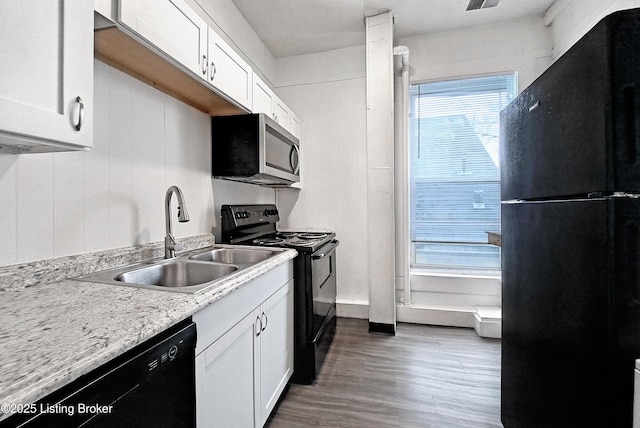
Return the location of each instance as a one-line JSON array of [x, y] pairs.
[[204, 65], [266, 321], [259, 325], [78, 125], [213, 71]]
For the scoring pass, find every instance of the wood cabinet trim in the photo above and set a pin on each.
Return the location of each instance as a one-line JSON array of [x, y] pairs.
[[120, 50]]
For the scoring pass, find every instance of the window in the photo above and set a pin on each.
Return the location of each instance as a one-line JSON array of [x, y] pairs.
[[454, 176]]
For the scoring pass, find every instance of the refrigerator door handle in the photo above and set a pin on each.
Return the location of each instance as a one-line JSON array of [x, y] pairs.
[[630, 131]]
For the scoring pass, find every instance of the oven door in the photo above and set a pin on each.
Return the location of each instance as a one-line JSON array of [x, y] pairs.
[[323, 282]]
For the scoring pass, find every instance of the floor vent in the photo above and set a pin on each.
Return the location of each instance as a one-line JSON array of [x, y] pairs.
[[482, 4]]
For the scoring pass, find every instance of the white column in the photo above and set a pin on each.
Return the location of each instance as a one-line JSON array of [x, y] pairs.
[[380, 173]]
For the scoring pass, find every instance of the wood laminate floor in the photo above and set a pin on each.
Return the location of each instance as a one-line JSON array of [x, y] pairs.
[[424, 376]]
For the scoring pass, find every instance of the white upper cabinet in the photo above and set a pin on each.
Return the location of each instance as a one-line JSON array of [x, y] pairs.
[[263, 97], [46, 75], [287, 118], [295, 126], [281, 114], [267, 102], [173, 27], [228, 72]]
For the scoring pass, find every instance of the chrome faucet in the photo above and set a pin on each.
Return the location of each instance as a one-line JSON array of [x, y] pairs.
[[170, 245]]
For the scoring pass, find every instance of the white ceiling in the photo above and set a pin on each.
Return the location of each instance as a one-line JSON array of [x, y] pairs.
[[295, 27]]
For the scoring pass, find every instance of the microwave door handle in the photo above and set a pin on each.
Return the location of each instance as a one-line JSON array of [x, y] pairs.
[[295, 168]]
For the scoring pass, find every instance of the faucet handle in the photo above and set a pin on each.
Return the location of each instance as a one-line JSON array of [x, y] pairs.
[[172, 244]]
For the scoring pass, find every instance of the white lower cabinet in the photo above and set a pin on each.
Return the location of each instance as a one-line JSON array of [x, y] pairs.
[[225, 378], [275, 349], [242, 371]]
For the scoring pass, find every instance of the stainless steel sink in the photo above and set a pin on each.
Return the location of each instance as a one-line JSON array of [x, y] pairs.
[[233, 255], [187, 273], [177, 274]]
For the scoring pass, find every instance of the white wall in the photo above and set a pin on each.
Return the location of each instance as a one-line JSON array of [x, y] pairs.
[[327, 90], [523, 46], [113, 195]]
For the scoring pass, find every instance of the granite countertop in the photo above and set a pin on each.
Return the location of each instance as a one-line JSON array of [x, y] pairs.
[[52, 333]]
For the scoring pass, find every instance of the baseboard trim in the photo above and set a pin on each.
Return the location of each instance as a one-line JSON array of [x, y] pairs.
[[486, 321], [452, 316], [353, 309]]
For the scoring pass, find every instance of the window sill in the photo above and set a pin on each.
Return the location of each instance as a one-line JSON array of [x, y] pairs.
[[414, 271]]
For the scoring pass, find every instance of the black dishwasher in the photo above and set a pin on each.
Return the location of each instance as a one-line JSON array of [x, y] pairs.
[[152, 385]]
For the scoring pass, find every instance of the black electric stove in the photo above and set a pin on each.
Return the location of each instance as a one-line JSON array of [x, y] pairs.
[[256, 225], [314, 278]]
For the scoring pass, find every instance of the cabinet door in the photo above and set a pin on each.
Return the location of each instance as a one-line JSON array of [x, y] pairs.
[[173, 27], [228, 71], [276, 339], [46, 63], [225, 386], [263, 97], [295, 126], [281, 114]]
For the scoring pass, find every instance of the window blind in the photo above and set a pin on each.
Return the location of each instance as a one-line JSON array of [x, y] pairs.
[[454, 175]]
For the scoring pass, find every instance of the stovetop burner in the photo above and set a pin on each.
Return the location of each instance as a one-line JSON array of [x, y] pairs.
[[312, 235], [303, 242], [256, 225], [283, 239], [269, 241], [286, 234]]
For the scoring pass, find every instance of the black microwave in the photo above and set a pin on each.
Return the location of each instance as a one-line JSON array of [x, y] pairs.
[[253, 148]]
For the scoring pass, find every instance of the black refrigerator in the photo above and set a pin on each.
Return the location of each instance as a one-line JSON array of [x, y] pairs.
[[570, 185]]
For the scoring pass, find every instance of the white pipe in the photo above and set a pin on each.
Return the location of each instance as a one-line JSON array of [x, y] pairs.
[[402, 166], [404, 52]]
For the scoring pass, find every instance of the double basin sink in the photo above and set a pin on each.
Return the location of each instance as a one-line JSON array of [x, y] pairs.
[[187, 273]]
